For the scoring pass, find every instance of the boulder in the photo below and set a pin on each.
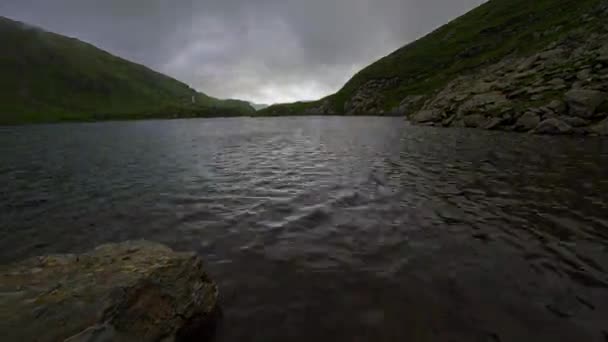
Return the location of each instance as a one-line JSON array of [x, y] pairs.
[[484, 102], [528, 63], [493, 123], [574, 121], [132, 291], [584, 74], [553, 126], [584, 102], [557, 106], [430, 115], [527, 122], [474, 121], [601, 128]]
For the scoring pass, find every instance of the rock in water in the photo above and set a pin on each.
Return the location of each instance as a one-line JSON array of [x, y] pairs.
[[474, 121], [583, 102], [527, 122], [553, 126], [132, 291]]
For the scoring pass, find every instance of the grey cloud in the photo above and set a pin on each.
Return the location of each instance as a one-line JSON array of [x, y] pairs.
[[259, 50]]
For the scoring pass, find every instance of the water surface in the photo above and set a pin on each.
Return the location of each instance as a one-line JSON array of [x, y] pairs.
[[336, 229]]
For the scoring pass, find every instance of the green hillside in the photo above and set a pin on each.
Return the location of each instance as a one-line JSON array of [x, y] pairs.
[[47, 77], [479, 38]]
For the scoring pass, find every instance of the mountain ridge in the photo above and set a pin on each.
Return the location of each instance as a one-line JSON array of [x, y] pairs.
[[48, 77], [469, 60]]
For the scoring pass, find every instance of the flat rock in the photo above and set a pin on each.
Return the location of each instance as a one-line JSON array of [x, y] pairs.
[[132, 291], [584, 102]]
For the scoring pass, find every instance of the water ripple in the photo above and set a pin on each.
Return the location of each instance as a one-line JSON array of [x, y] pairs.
[[334, 228]]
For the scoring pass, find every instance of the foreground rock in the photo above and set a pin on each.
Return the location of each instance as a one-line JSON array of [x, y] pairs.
[[133, 291]]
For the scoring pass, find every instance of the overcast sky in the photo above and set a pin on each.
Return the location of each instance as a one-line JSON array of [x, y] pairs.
[[264, 51]]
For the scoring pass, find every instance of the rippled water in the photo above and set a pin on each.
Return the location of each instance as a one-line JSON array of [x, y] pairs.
[[343, 229]]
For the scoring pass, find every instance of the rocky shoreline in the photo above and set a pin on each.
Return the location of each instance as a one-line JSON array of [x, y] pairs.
[[553, 80], [131, 291], [562, 89]]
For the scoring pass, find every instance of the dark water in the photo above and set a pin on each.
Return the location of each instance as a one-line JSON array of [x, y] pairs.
[[335, 229]]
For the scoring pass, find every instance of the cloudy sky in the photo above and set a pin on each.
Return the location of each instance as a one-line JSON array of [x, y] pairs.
[[265, 51]]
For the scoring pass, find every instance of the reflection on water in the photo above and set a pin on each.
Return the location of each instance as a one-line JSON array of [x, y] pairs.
[[344, 229]]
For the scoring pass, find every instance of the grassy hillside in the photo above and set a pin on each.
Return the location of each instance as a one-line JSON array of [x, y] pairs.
[[481, 37], [47, 77]]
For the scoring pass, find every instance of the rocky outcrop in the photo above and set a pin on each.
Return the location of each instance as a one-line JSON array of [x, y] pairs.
[[133, 291], [408, 105], [324, 108], [560, 90], [368, 98]]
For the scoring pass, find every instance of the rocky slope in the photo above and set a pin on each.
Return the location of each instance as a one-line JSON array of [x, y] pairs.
[[560, 90], [132, 291], [530, 66], [46, 77]]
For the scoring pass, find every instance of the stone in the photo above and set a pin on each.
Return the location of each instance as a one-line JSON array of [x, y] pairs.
[[474, 121], [481, 87], [574, 121], [537, 97], [557, 106], [132, 291], [551, 54], [517, 93], [527, 122], [584, 102], [447, 122], [553, 126], [557, 82], [493, 123], [538, 90], [527, 63], [408, 104], [430, 115], [601, 128], [584, 74], [484, 102]]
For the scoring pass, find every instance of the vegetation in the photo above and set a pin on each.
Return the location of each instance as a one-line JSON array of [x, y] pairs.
[[483, 36], [47, 77]]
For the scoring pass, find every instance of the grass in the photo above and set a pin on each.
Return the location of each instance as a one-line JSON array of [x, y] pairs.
[[47, 77], [483, 36]]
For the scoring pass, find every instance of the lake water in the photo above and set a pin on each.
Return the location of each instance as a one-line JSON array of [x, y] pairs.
[[335, 229]]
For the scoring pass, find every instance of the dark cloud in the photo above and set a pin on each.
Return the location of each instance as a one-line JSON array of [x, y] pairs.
[[259, 50]]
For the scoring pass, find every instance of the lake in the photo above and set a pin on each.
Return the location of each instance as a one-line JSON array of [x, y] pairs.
[[334, 228]]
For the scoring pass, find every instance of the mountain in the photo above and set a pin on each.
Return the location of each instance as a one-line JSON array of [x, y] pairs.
[[508, 64], [258, 106], [47, 77]]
